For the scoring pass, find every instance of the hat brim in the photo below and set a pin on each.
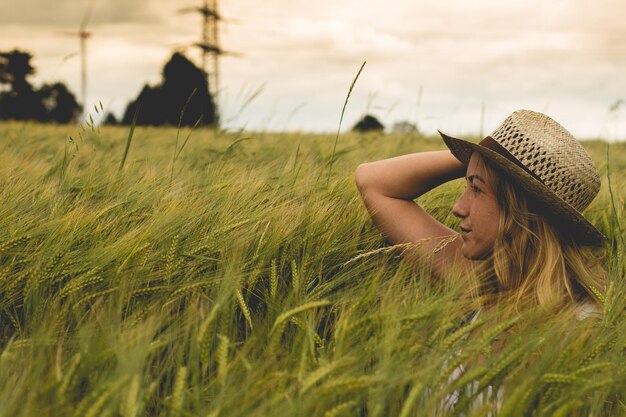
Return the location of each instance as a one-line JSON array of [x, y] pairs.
[[570, 220]]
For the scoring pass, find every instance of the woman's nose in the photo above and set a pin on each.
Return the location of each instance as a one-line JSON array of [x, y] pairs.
[[459, 209]]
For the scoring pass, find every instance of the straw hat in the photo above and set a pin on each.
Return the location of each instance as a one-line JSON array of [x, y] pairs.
[[547, 162]]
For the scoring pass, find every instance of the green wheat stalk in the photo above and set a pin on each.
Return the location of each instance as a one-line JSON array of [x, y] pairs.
[[129, 139], [343, 110]]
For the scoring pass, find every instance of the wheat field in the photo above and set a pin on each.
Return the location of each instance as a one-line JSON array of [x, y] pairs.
[[202, 273]]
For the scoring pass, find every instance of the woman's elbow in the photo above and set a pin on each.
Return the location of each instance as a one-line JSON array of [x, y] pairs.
[[361, 176]]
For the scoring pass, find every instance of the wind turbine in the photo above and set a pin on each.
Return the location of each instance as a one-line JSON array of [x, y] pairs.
[[83, 34]]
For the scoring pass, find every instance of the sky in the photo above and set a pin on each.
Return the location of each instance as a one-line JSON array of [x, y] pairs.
[[453, 65]]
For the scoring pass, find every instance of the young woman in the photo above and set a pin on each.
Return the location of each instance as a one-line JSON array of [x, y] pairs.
[[521, 225]]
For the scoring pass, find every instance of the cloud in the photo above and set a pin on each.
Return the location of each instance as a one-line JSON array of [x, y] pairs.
[[70, 13], [341, 37]]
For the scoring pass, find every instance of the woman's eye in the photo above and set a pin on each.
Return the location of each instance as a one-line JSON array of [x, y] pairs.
[[475, 189]]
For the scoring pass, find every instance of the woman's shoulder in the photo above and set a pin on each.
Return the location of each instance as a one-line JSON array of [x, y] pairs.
[[588, 309]]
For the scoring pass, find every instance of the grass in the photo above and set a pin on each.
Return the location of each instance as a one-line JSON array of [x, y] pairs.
[[233, 286]]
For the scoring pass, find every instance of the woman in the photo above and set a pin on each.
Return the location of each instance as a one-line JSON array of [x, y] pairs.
[[521, 224]]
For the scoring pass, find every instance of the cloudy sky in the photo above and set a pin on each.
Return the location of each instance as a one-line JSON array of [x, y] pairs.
[[436, 63]]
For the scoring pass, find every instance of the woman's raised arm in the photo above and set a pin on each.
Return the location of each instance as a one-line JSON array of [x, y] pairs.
[[388, 188]]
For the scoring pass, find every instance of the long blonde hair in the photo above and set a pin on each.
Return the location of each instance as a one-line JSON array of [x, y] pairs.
[[533, 262]]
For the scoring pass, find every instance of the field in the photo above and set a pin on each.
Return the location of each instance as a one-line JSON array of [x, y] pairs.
[[238, 275]]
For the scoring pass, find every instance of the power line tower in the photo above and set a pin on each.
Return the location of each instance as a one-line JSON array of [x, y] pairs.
[[209, 44]]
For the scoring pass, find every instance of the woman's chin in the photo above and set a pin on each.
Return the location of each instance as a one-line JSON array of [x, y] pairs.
[[474, 254], [466, 251]]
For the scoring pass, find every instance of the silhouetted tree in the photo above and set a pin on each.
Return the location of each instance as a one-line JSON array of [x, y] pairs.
[[184, 86], [14, 68], [59, 103], [150, 107], [367, 124], [110, 119], [19, 100], [404, 127]]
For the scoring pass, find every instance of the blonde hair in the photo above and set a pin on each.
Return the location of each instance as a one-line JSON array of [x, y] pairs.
[[533, 262]]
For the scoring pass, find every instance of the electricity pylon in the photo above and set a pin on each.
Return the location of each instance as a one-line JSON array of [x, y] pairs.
[[209, 44]]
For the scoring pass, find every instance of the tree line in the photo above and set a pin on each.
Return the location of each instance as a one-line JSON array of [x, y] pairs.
[[20, 100], [181, 98]]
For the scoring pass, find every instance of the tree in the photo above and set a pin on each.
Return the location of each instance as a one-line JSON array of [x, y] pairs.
[[59, 103], [14, 68], [368, 124], [148, 106], [19, 100], [184, 89], [110, 119], [404, 127]]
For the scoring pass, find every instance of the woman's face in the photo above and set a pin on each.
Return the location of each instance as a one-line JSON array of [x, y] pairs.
[[478, 210]]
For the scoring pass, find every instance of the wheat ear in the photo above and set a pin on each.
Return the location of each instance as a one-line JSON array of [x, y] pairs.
[[128, 407], [222, 358], [204, 335], [404, 247], [339, 409], [273, 280], [178, 392], [244, 308]]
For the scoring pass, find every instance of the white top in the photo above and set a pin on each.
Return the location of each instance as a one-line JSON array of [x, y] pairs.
[[587, 310], [583, 311]]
